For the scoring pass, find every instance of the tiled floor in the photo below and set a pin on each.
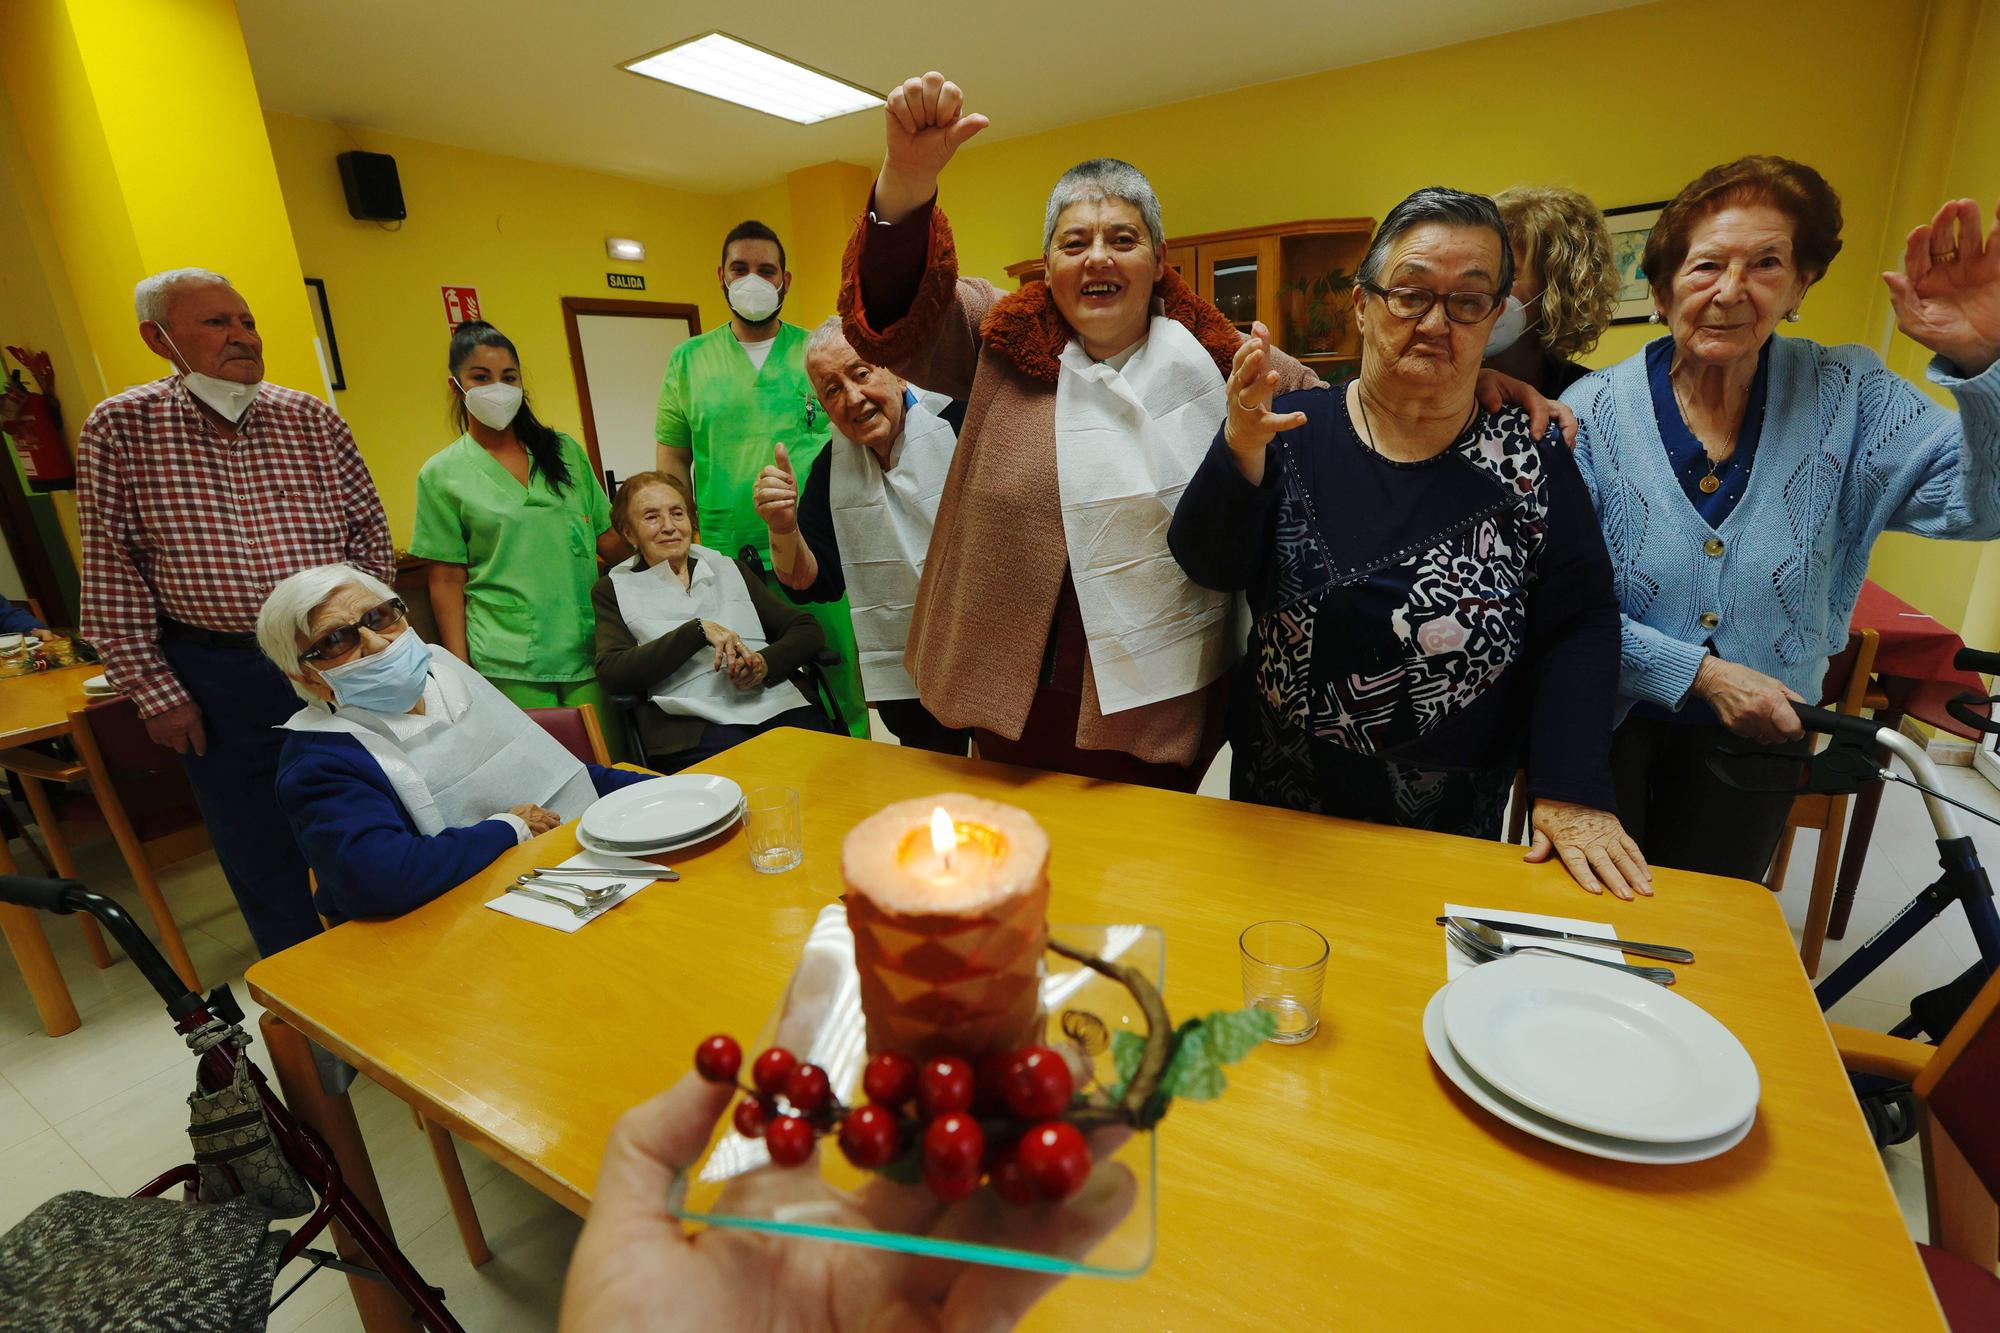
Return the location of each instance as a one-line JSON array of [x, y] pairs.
[[103, 1108]]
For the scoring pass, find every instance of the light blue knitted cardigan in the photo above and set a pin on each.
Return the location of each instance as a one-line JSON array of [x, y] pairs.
[[1848, 448]]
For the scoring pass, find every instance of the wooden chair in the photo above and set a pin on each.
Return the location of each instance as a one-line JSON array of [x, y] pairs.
[[1848, 676], [138, 792], [576, 728], [1958, 1088]]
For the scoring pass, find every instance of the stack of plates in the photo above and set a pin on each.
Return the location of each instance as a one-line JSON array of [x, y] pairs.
[[1594, 1060], [663, 815], [99, 687]]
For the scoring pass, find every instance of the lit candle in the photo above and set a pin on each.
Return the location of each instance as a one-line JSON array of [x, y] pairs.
[[948, 902]]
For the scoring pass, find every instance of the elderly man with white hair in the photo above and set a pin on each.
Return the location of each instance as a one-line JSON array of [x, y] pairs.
[[197, 494], [860, 527], [406, 772]]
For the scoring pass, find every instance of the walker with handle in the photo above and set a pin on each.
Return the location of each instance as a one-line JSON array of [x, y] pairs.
[[215, 1024]]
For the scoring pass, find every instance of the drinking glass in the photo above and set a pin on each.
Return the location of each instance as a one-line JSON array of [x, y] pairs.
[[1284, 968], [776, 829]]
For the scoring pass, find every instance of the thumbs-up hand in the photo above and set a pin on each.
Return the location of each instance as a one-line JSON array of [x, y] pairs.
[[776, 496]]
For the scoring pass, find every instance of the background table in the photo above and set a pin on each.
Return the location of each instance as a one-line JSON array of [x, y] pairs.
[[34, 707], [1342, 1181]]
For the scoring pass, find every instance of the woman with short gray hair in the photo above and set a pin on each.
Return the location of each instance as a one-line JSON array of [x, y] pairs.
[[406, 772], [1432, 598], [1051, 616]]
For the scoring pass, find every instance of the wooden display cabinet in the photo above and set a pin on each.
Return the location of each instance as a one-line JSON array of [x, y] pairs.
[[1296, 277]]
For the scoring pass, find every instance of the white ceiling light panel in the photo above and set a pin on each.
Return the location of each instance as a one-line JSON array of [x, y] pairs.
[[721, 66]]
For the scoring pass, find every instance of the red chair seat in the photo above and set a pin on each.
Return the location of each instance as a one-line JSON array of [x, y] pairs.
[[156, 808], [1969, 1294]]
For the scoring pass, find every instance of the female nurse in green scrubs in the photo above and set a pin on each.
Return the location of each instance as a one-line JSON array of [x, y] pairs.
[[513, 519]]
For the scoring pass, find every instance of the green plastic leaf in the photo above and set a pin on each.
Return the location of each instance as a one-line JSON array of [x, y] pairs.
[[1193, 1072], [1127, 1050], [1234, 1033]]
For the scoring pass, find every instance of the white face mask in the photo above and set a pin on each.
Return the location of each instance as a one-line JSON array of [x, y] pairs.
[[494, 405], [1507, 329], [754, 299], [229, 399]]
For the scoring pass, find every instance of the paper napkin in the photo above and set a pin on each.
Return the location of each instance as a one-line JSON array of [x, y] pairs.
[[1456, 963], [547, 914]]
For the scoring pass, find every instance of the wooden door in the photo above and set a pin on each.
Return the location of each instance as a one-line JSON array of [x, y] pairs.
[[618, 351]]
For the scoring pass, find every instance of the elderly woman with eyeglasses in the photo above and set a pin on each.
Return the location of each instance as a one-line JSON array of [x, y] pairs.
[[406, 772], [1051, 617], [1431, 595], [1744, 477]]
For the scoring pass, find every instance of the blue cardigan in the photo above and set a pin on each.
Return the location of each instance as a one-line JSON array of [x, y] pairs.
[[1849, 448], [367, 855]]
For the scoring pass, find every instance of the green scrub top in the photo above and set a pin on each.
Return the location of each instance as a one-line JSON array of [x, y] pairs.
[[530, 555], [732, 416]]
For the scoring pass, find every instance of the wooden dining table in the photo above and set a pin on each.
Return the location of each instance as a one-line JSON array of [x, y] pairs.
[[35, 706], [1343, 1181]]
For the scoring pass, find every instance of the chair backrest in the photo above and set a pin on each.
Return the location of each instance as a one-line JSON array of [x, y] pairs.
[[1848, 672], [576, 730], [122, 742], [1961, 1084]]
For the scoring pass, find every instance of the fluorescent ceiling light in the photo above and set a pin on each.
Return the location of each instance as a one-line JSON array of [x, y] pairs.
[[619, 247], [719, 65]]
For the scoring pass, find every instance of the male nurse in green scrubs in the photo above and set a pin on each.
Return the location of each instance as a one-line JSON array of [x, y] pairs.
[[730, 397]]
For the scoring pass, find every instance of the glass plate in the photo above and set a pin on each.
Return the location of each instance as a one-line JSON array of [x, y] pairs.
[[733, 1184]]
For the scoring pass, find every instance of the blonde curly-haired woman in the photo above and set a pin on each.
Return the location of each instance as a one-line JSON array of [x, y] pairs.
[[1565, 286]]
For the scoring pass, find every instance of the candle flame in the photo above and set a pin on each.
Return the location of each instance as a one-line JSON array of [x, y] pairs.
[[944, 836]]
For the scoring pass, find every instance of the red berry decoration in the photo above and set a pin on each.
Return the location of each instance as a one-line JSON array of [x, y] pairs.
[[1054, 1158], [950, 1189], [1011, 1183], [989, 1099], [870, 1137], [807, 1089], [718, 1059], [749, 1117], [890, 1079], [773, 1067], [790, 1139], [945, 1085], [1037, 1084], [954, 1145]]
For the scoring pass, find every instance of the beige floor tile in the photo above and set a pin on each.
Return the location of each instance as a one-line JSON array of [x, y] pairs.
[[37, 1169], [18, 1120]]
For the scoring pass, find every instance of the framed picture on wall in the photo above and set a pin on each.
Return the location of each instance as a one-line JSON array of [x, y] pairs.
[[323, 326], [1629, 229]]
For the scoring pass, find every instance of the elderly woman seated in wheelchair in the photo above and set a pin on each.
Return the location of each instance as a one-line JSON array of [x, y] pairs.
[[406, 772], [698, 634]]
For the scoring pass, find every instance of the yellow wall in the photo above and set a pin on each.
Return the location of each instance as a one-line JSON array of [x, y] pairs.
[[1626, 106], [525, 234]]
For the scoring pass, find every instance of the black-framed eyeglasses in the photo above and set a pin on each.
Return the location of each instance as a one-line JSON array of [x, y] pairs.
[[1416, 302], [340, 642]]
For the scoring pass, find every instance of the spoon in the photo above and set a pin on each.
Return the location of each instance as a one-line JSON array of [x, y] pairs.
[[574, 909], [589, 893], [1470, 944]]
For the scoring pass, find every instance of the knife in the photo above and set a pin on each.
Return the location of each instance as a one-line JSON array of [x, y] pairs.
[[1664, 952]]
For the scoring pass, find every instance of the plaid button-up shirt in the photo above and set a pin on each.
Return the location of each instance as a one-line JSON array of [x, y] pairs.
[[178, 521]]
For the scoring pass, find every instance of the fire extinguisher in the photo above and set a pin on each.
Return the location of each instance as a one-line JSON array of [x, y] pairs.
[[32, 420]]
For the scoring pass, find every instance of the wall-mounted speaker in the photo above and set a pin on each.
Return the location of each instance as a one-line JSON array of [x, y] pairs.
[[374, 192]]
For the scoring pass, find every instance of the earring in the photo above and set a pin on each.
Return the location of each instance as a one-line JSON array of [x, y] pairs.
[[1791, 317], [1653, 318]]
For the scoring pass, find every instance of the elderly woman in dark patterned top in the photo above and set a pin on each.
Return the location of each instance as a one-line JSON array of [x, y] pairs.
[[1432, 598]]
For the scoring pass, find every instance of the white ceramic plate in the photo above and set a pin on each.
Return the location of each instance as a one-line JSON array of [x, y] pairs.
[[662, 810], [1600, 1050], [98, 685], [721, 826], [1554, 1131]]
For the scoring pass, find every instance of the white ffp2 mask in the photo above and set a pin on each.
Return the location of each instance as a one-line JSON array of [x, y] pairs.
[[494, 405], [229, 399], [1507, 329], [755, 299]]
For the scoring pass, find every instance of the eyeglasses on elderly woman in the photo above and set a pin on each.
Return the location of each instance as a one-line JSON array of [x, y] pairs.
[[1416, 302], [344, 640]]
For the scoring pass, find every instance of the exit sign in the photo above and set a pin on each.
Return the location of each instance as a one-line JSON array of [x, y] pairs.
[[626, 282]]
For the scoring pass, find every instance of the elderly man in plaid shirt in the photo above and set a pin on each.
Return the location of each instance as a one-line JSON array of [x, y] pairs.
[[197, 493]]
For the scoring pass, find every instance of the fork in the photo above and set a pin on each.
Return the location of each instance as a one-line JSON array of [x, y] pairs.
[[591, 893], [1481, 952], [574, 909]]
